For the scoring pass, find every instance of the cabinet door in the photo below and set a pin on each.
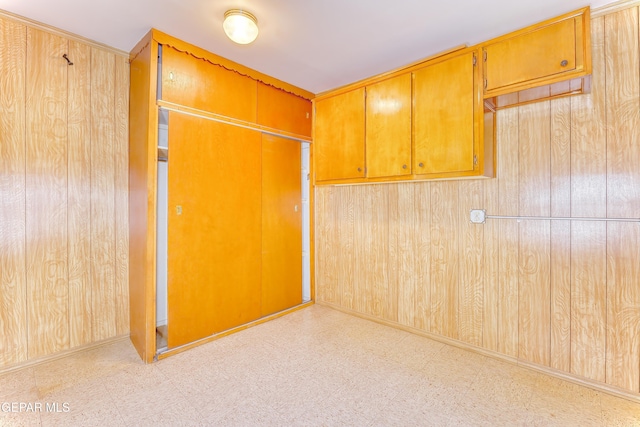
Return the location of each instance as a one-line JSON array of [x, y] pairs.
[[339, 136], [285, 111], [214, 228], [388, 128], [281, 224], [443, 116], [541, 53]]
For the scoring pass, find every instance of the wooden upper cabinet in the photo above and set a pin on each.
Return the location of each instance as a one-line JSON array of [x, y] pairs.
[[282, 110], [544, 53], [388, 127], [444, 108], [339, 136], [197, 83]]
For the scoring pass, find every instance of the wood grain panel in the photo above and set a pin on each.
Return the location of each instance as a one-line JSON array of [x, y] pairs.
[[388, 129], [46, 191], [422, 254], [281, 224], [402, 232], [623, 113], [327, 237], [13, 281], [121, 157], [214, 271], [588, 138], [491, 268], [283, 110], [79, 194], [346, 245], [363, 242], [588, 298], [561, 295], [534, 159], [384, 295], [623, 303], [471, 255], [445, 274], [560, 234], [196, 83], [103, 233], [534, 307], [508, 172]]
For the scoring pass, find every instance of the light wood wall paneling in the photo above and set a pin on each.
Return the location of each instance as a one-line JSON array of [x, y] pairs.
[[79, 193], [623, 197], [422, 254], [103, 248], [491, 268], [13, 282], [534, 250], [347, 243], [327, 227], [623, 113], [121, 188], [623, 306], [383, 301], [46, 189], [588, 298], [471, 255], [534, 307], [445, 274], [560, 234], [588, 138], [401, 259], [508, 171]]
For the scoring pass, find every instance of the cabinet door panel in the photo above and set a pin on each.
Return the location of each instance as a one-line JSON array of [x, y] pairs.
[[281, 224], [339, 136], [214, 239], [532, 55], [388, 127], [284, 111], [196, 83], [443, 116]]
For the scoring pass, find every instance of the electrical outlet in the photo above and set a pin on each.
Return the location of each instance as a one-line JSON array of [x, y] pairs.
[[477, 216]]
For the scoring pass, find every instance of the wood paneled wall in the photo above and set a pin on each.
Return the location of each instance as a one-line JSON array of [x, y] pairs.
[[557, 293], [64, 193]]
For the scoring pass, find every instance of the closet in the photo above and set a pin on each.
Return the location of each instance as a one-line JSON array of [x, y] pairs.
[[219, 151]]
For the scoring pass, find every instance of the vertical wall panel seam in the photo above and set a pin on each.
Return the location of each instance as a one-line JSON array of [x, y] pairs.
[[24, 170]]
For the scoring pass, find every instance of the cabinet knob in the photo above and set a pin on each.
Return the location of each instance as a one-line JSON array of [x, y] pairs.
[[564, 63], [404, 166], [359, 169], [421, 164]]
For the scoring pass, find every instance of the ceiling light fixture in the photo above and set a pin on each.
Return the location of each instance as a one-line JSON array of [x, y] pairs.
[[240, 26]]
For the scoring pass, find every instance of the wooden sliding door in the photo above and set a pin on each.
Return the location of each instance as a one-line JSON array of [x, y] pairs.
[[214, 221], [281, 224]]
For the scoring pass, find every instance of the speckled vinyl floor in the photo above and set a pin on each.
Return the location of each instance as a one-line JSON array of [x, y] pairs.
[[315, 367]]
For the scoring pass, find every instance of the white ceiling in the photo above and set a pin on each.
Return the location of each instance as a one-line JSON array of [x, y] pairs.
[[314, 44]]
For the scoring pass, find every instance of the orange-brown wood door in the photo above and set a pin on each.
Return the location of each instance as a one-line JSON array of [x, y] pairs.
[[339, 136], [281, 224], [443, 117], [544, 52], [388, 130], [214, 221]]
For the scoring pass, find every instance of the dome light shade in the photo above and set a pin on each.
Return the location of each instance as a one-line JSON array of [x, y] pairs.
[[240, 26]]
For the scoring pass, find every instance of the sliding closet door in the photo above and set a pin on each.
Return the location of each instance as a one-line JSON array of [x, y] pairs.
[[214, 221], [281, 224]]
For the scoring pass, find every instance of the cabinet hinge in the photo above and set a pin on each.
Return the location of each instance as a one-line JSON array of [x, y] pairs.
[[484, 54], [474, 60], [475, 161], [485, 83]]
